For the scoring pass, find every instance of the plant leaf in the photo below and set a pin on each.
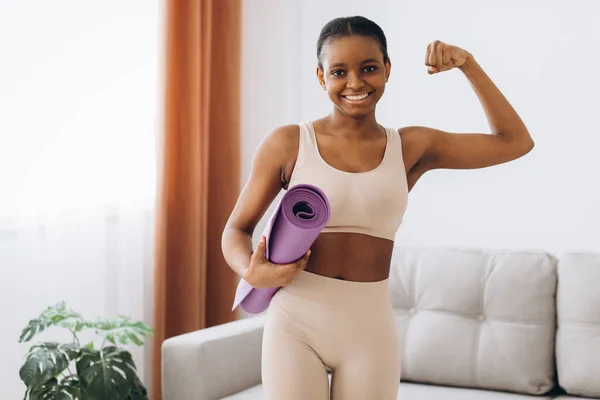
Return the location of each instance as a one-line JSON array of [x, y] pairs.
[[45, 361], [138, 392], [58, 315], [67, 389], [123, 330], [107, 374], [34, 327], [67, 318]]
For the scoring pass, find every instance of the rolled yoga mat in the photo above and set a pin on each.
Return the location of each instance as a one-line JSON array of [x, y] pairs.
[[293, 227]]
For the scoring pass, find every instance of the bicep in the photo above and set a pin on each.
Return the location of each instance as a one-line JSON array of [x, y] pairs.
[[445, 150]]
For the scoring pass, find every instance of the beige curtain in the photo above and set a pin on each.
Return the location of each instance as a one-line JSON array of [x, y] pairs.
[[199, 182]]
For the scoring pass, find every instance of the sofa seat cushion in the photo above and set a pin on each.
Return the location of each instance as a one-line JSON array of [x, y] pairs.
[[254, 393], [483, 319], [415, 391]]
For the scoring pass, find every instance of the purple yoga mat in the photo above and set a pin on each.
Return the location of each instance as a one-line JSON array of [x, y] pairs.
[[293, 227]]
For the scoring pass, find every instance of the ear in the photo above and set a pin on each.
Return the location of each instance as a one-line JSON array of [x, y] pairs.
[[321, 78], [388, 69]]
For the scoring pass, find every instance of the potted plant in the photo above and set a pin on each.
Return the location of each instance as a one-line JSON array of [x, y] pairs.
[[61, 371]]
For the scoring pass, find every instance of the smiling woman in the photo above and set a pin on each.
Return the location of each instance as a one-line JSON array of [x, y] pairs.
[[366, 171], [354, 81]]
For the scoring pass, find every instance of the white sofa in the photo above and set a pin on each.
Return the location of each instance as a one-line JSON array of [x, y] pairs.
[[474, 324]]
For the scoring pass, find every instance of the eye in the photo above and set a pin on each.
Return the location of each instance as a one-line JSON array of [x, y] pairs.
[[371, 68], [337, 72]]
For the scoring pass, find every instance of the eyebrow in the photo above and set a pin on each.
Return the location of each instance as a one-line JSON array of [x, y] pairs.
[[366, 61]]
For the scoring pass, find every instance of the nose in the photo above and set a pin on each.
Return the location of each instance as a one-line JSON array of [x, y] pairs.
[[354, 82]]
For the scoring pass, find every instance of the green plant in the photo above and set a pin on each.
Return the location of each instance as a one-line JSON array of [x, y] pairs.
[[68, 371]]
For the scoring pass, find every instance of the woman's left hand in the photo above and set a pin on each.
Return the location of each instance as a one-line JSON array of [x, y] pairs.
[[443, 57]]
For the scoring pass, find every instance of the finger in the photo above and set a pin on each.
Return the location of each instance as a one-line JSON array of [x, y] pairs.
[[286, 273], [301, 264], [447, 57], [439, 56], [260, 249], [432, 51], [427, 52], [433, 60], [292, 269], [306, 256]]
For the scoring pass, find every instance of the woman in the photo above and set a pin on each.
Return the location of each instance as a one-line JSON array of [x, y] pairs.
[[333, 312]]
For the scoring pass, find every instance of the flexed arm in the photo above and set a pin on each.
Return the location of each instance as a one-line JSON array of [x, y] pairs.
[[509, 138]]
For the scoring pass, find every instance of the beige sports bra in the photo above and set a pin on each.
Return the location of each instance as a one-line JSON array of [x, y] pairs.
[[372, 202]]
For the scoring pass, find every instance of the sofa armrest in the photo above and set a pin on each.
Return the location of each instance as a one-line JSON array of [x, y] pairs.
[[213, 363]]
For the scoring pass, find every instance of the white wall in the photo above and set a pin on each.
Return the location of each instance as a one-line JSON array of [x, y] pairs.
[[79, 95], [540, 53]]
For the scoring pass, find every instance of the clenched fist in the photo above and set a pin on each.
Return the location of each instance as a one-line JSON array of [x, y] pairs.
[[443, 57]]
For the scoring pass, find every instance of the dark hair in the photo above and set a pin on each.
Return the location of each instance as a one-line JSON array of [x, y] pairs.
[[348, 26]]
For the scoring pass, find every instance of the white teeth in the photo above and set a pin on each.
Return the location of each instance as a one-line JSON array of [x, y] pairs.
[[356, 98]]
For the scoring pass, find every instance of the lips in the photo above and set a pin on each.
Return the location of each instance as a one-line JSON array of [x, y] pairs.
[[356, 98]]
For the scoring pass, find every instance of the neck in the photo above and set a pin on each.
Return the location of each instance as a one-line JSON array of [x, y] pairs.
[[352, 126]]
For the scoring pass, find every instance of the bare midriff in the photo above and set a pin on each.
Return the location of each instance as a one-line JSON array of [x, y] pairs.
[[351, 257]]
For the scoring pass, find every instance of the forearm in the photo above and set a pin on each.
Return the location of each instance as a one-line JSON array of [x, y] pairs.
[[237, 249], [502, 117]]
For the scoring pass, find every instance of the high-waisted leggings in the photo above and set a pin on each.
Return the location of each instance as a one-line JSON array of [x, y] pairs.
[[318, 324]]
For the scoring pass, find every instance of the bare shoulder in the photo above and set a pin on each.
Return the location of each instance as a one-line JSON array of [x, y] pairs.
[[281, 142], [279, 149]]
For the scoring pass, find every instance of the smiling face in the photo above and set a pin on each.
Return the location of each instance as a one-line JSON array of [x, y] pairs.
[[354, 74]]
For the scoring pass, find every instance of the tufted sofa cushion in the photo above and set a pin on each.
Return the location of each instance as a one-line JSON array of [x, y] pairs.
[[578, 334], [476, 318]]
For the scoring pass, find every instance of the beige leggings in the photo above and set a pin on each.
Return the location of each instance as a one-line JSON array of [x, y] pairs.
[[317, 324]]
